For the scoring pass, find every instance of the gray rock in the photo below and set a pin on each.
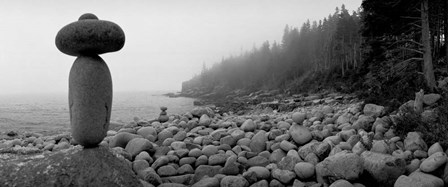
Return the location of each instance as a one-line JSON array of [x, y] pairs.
[[150, 176], [199, 111], [167, 170], [209, 150], [205, 120], [300, 134], [427, 179], [373, 110], [364, 122], [430, 99], [207, 182], [90, 36], [234, 181], [414, 141], [204, 170], [258, 161], [146, 131], [137, 145], [288, 163], [260, 172], [304, 170], [231, 167], [433, 162], [186, 179], [90, 109], [298, 117], [284, 176], [385, 169], [100, 168], [258, 142], [262, 183], [248, 125], [341, 183], [342, 165], [217, 159]]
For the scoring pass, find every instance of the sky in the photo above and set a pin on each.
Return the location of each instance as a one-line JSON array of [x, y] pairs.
[[167, 41]]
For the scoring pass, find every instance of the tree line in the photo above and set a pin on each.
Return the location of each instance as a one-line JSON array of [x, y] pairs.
[[386, 51]]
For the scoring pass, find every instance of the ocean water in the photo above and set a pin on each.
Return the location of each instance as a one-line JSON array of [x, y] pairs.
[[49, 112]]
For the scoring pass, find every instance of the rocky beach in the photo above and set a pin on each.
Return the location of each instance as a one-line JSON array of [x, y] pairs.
[[324, 140]]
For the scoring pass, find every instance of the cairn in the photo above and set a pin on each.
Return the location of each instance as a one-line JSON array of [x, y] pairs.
[[90, 82]]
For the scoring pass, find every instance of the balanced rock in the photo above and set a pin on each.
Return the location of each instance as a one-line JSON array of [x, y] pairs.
[[163, 117], [89, 36]]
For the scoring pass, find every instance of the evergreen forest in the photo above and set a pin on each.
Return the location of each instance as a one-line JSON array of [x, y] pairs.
[[385, 52]]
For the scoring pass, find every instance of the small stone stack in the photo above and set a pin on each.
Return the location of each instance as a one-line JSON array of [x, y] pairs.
[[163, 117], [90, 82]]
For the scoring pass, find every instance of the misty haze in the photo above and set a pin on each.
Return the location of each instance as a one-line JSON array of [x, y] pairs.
[[233, 93]]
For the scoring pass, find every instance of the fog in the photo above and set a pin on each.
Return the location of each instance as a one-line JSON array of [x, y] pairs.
[[167, 41]]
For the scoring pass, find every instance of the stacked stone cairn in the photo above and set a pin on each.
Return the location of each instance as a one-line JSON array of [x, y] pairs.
[[163, 117], [90, 82]]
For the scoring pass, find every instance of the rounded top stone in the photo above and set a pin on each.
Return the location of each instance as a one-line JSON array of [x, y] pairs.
[[90, 36], [87, 16]]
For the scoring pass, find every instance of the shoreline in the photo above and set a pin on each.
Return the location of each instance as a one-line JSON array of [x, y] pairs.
[[302, 141]]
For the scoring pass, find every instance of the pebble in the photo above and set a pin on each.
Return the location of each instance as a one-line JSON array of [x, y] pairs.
[[298, 117], [258, 142], [248, 125], [284, 176], [137, 145]]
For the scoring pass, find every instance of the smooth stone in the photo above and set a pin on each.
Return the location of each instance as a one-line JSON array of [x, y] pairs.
[[300, 134], [179, 180], [205, 170], [298, 117], [286, 146], [427, 179], [90, 109], [205, 120], [161, 161], [187, 160], [164, 134], [341, 183], [231, 167], [257, 161], [90, 36], [430, 99], [385, 169], [277, 155], [284, 176], [304, 170], [234, 181], [209, 150], [137, 145], [217, 159], [275, 183], [207, 182], [258, 142], [176, 145], [201, 160], [145, 131], [138, 165], [195, 153], [262, 183], [433, 162], [143, 156], [167, 170], [260, 172], [434, 148], [248, 125], [380, 147], [149, 175]]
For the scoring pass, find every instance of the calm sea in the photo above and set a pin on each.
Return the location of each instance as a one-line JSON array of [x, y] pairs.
[[49, 112]]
